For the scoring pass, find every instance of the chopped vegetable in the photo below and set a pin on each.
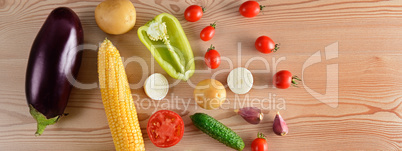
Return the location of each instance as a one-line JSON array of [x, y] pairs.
[[166, 40], [240, 80], [156, 86], [217, 130], [117, 100], [115, 16], [55, 56], [165, 128], [252, 115]]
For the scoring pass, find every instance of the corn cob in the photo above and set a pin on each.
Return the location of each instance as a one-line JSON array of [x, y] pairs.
[[117, 100]]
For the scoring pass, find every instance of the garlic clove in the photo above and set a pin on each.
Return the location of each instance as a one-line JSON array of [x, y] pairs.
[[279, 126], [252, 115]]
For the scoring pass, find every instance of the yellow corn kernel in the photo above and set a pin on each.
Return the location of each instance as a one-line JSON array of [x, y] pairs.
[[117, 100]]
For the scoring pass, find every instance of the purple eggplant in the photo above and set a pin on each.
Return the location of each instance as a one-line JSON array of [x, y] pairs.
[[54, 59]]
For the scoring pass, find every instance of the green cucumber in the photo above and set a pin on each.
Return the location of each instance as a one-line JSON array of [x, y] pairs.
[[217, 130]]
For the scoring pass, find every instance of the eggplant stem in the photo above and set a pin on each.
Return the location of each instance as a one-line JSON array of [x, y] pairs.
[[40, 129], [41, 120]]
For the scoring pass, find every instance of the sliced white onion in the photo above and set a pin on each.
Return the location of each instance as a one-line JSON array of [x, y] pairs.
[[156, 86], [240, 80]]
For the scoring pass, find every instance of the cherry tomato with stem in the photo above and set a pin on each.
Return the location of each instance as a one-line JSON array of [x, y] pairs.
[[208, 32], [260, 143], [165, 128], [250, 9], [266, 45], [193, 13], [212, 58], [283, 79]]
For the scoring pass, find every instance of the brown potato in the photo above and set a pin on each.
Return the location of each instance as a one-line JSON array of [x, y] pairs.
[[209, 94], [115, 16]]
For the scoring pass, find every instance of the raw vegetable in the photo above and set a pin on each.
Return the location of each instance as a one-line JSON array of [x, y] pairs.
[[217, 130], [283, 79], [266, 45], [117, 100], [279, 126], [252, 115], [209, 94], [156, 86], [208, 32], [166, 40], [193, 13], [54, 59], [260, 143], [240, 80], [165, 128], [250, 9], [212, 58], [115, 16]]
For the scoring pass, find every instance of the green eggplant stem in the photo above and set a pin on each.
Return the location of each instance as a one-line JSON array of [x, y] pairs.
[[41, 120]]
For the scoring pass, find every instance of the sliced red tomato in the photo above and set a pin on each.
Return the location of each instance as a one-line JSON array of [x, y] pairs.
[[165, 128]]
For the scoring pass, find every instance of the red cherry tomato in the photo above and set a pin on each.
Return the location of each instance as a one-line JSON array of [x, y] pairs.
[[193, 13], [266, 45], [250, 9], [283, 79], [208, 32], [165, 128], [212, 58], [260, 143]]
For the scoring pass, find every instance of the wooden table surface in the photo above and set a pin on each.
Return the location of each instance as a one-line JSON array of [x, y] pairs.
[[351, 98]]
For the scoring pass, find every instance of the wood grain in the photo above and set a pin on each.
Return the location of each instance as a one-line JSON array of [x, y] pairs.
[[369, 111]]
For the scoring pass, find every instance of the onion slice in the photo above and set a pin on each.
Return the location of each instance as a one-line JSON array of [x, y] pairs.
[[156, 86]]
